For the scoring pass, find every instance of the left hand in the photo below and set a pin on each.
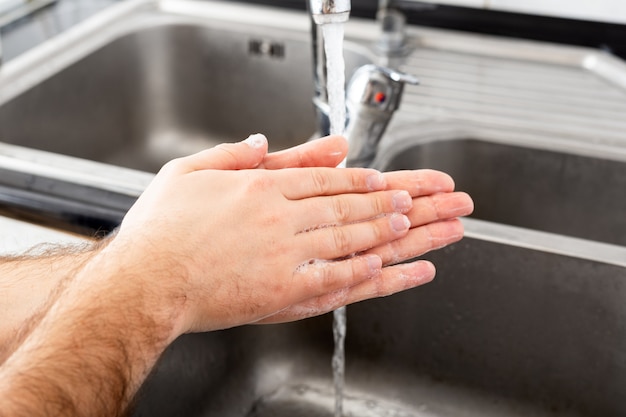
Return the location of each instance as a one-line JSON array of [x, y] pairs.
[[433, 218]]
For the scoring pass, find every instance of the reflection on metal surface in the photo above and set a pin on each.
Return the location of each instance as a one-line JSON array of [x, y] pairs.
[[12, 10]]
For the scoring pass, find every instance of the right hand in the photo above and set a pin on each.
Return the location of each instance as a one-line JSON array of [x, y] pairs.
[[237, 245], [434, 224]]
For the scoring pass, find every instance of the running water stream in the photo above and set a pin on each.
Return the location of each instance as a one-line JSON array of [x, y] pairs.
[[335, 69], [335, 79]]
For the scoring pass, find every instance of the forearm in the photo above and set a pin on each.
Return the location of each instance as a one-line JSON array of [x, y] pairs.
[[94, 347], [30, 284]]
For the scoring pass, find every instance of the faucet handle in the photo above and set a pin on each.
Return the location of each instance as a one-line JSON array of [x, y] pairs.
[[378, 87], [372, 95]]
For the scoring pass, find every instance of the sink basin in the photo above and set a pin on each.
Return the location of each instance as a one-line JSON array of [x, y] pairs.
[[579, 194], [504, 330], [170, 87]]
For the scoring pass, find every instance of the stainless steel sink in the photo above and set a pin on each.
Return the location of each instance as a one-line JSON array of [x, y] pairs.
[[579, 194], [169, 88], [518, 321], [527, 313], [138, 85], [504, 330]]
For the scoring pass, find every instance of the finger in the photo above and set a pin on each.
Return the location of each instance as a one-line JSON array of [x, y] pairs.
[[247, 154], [419, 182], [393, 279], [318, 277], [300, 183], [341, 241], [440, 207], [325, 152], [350, 208], [420, 240]]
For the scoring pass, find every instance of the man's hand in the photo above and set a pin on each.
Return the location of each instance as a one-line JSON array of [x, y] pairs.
[[239, 246], [206, 249], [30, 284], [252, 153], [434, 224], [433, 218]]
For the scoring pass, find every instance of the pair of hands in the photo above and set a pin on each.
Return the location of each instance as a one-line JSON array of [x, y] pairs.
[[214, 243], [244, 245]]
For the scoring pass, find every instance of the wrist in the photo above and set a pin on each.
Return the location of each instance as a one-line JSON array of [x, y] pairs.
[[154, 292]]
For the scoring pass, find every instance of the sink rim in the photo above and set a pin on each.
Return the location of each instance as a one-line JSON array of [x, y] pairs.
[[545, 241], [402, 137]]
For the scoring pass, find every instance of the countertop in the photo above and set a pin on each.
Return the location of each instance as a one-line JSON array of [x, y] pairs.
[[17, 236]]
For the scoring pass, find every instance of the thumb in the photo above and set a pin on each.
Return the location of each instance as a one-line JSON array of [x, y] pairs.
[[247, 154], [324, 152]]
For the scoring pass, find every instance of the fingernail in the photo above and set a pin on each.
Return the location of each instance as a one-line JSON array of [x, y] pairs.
[[375, 263], [402, 201], [256, 141], [419, 272], [376, 182], [399, 222]]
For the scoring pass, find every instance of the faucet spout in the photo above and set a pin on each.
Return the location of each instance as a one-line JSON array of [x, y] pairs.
[[329, 11]]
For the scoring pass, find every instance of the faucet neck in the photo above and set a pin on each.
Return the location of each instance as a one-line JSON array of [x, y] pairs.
[[329, 11]]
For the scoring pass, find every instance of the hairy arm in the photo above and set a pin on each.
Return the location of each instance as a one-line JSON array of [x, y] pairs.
[[95, 345], [29, 285]]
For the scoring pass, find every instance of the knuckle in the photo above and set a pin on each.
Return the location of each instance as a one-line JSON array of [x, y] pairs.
[[173, 165], [342, 209], [359, 268], [327, 278], [321, 182], [381, 288], [380, 204], [379, 231], [358, 179], [257, 181], [431, 210], [341, 240], [227, 150]]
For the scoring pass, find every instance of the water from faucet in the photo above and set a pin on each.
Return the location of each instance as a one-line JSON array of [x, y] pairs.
[[335, 69], [338, 361]]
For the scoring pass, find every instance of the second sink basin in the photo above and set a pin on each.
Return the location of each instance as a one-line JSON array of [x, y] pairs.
[[558, 191]]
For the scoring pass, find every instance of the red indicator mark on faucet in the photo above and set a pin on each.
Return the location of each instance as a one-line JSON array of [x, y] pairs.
[[380, 97]]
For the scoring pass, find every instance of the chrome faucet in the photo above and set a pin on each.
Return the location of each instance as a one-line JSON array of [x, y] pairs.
[[329, 11], [372, 95]]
